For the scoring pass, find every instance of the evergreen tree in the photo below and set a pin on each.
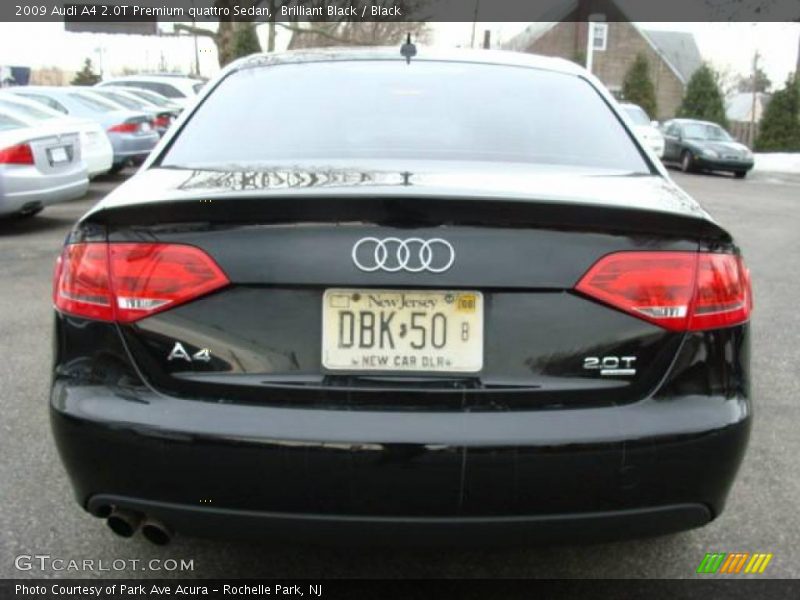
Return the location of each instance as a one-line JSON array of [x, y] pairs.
[[703, 98], [245, 40], [86, 76], [638, 87], [780, 125]]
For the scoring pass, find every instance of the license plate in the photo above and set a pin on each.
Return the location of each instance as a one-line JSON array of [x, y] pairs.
[[58, 155], [394, 330]]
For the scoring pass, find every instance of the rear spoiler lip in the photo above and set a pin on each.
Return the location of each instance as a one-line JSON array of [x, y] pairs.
[[410, 211]]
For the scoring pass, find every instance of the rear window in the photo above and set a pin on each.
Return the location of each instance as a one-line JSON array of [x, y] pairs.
[[122, 100], [165, 89], [390, 110], [26, 110], [153, 98], [93, 104], [7, 122]]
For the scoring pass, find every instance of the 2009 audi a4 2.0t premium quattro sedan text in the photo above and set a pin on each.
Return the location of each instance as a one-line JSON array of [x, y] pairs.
[[444, 298]]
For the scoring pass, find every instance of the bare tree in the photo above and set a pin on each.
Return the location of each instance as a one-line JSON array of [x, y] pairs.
[[323, 31]]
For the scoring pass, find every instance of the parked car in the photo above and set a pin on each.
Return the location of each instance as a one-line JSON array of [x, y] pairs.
[[131, 134], [96, 148], [161, 119], [701, 145], [486, 319], [39, 166], [179, 89], [645, 128], [150, 96]]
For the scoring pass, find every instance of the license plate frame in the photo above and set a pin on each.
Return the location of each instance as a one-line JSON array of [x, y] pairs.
[[454, 353], [58, 155]]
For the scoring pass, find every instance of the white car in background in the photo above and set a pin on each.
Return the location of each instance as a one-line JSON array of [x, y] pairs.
[[39, 165], [646, 129], [96, 149], [179, 89]]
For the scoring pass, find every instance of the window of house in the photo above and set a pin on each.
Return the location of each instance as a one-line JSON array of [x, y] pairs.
[[599, 36]]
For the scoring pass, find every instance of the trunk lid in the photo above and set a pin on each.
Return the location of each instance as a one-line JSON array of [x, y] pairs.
[[260, 339]]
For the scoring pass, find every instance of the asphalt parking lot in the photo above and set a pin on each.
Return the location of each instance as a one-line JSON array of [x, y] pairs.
[[39, 516]]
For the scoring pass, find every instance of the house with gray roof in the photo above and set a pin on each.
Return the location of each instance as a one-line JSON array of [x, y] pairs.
[[672, 56]]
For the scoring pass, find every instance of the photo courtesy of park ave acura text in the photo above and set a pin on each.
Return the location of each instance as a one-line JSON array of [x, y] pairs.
[[314, 291]]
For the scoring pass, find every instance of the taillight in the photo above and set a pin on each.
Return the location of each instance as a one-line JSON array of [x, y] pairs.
[[161, 121], [126, 282], [680, 291], [20, 154], [124, 128]]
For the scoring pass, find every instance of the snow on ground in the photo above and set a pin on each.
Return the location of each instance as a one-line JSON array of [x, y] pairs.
[[778, 162]]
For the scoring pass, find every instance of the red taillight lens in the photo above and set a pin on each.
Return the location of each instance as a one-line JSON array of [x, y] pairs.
[[82, 284], [680, 291], [126, 282], [124, 128], [17, 155], [161, 121]]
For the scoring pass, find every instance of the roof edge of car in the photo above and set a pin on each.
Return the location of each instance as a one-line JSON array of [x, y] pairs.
[[424, 54]]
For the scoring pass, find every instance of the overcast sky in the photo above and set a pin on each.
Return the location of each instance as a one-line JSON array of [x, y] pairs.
[[728, 46]]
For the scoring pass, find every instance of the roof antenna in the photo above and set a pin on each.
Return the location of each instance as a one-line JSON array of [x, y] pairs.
[[408, 49]]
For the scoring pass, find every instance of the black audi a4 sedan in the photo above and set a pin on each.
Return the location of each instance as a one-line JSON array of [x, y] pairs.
[[354, 295]]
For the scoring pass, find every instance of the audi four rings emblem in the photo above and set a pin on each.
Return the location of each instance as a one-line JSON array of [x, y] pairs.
[[413, 255]]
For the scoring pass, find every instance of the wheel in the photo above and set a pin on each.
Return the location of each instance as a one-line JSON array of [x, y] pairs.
[[687, 162], [740, 174]]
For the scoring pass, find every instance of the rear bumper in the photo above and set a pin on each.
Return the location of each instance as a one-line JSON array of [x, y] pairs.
[[98, 161], [130, 146], [208, 522], [22, 195], [225, 470]]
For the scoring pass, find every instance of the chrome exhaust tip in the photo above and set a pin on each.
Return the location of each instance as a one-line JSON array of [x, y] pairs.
[[124, 522], [156, 532]]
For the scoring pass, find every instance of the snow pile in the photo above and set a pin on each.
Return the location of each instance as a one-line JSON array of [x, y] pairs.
[[778, 162]]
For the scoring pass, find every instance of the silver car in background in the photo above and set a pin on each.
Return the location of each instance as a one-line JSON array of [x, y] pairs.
[[179, 89], [153, 97], [96, 149], [130, 132], [38, 166], [161, 118]]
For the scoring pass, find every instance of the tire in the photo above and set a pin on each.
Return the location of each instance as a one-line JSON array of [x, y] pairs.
[[740, 174], [687, 162]]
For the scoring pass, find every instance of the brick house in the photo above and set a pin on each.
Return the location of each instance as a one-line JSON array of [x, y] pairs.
[[673, 56]]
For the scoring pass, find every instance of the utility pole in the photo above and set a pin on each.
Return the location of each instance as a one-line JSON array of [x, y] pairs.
[[797, 67], [589, 45], [474, 22], [752, 132], [196, 49]]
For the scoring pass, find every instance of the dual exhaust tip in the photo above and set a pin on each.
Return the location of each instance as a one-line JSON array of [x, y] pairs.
[[125, 523]]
